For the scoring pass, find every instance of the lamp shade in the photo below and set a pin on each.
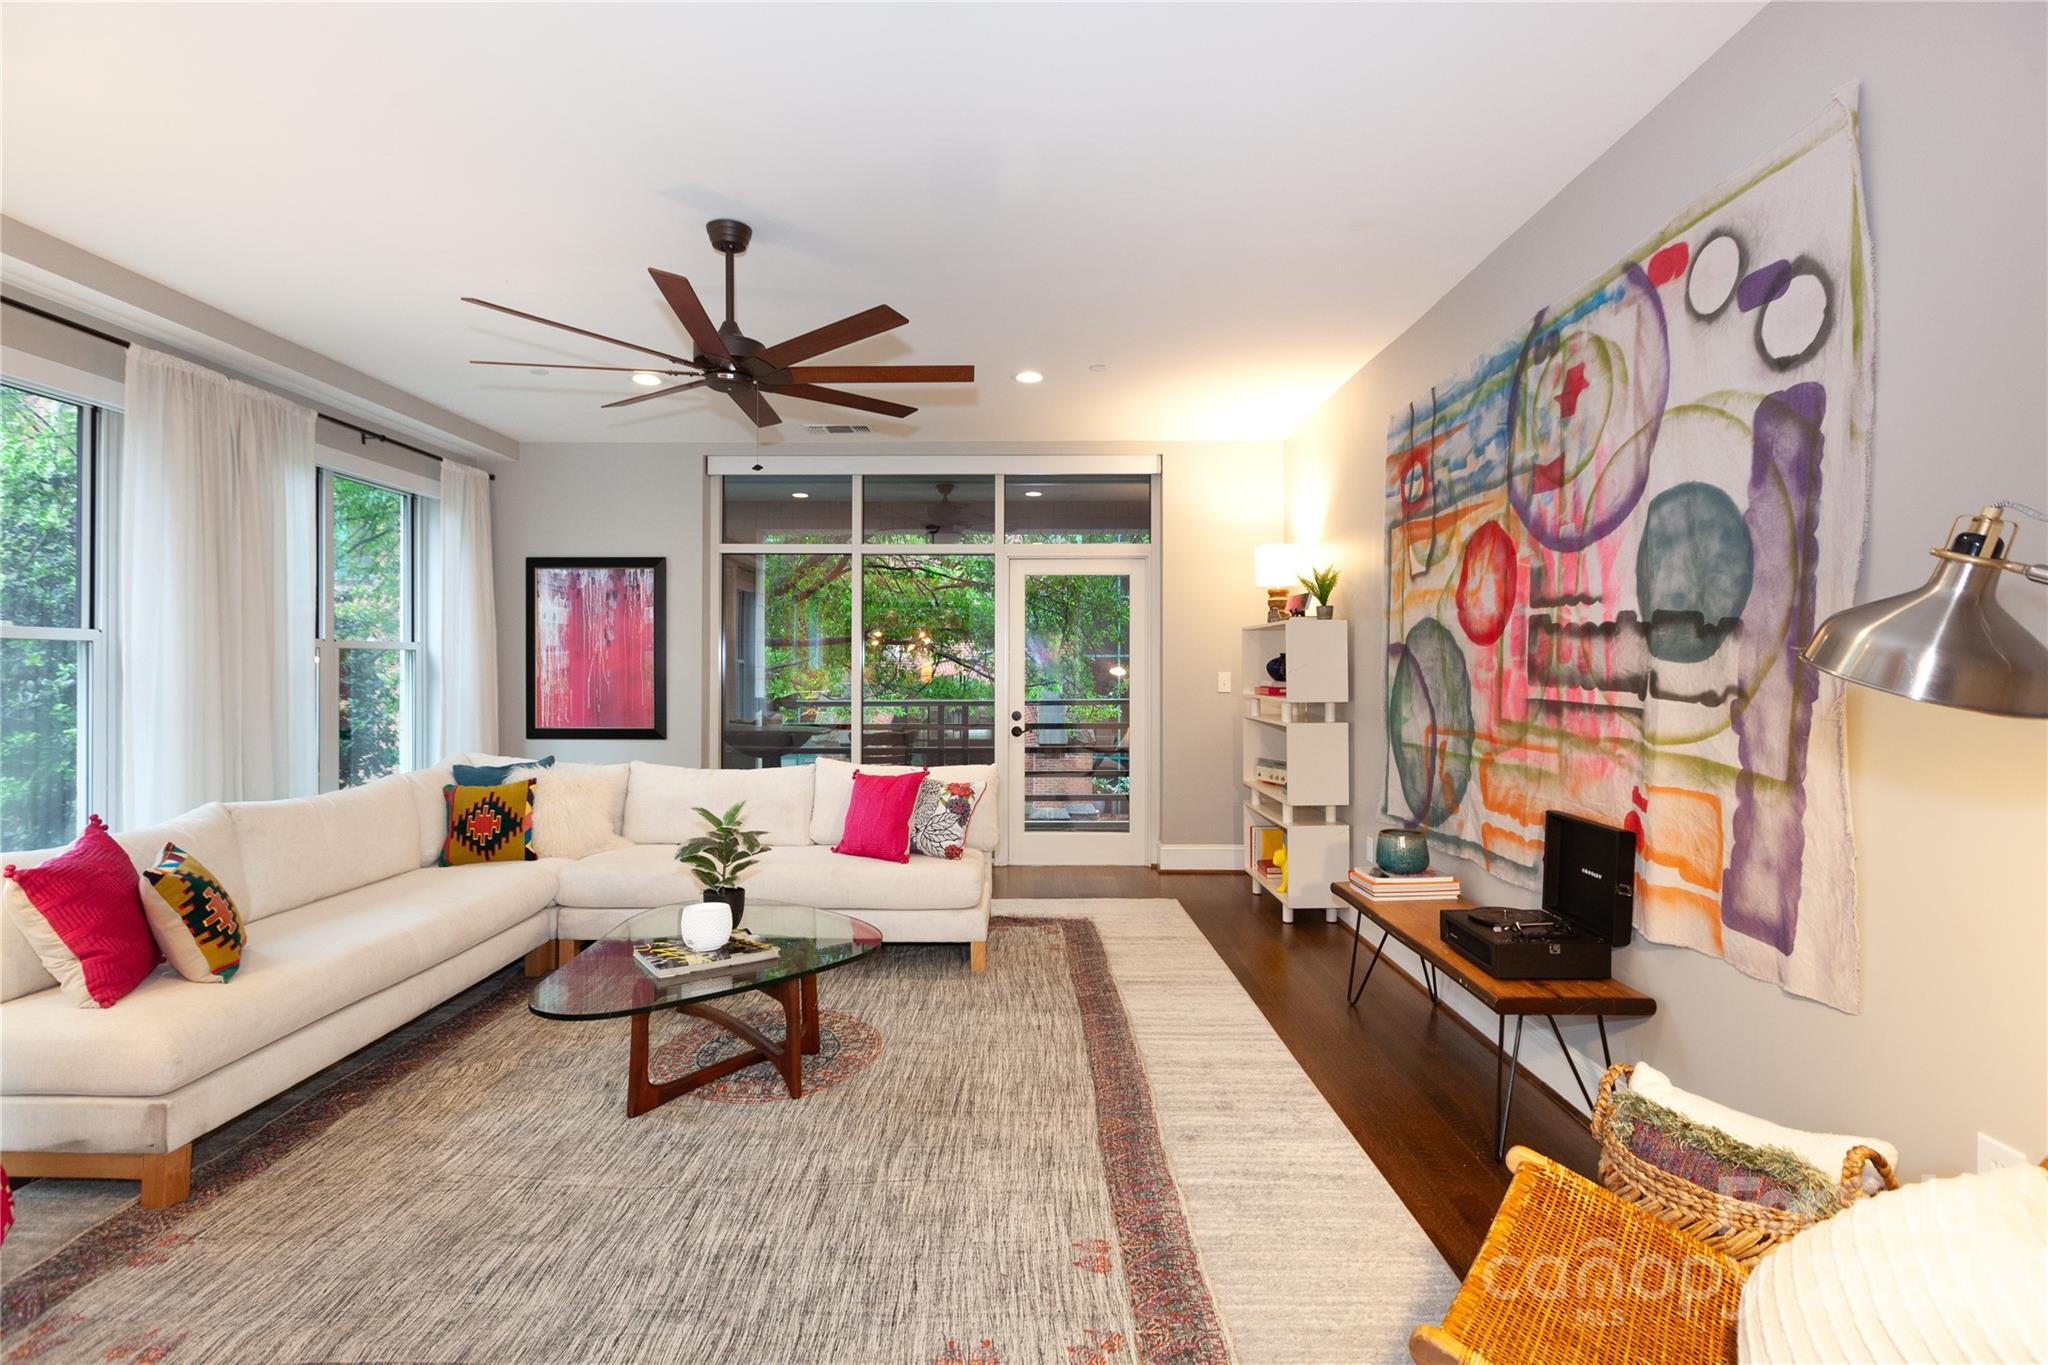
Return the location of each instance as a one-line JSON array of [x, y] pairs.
[[1279, 566], [1947, 642]]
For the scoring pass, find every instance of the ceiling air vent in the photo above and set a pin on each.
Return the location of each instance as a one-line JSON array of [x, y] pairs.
[[837, 428]]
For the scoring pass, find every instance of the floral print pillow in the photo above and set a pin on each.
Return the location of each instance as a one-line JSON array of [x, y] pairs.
[[938, 823]]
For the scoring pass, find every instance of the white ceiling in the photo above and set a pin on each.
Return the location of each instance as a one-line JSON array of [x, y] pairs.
[[1230, 207]]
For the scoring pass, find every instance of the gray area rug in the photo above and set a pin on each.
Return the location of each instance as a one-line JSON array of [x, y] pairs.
[[1095, 1152]]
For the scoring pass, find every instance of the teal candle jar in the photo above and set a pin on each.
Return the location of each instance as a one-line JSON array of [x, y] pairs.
[[1402, 852]]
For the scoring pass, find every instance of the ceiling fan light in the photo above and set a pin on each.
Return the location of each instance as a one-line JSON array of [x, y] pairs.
[[646, 380], [1029, 377]]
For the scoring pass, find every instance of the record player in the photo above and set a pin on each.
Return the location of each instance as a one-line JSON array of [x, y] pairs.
[[1588, 910]]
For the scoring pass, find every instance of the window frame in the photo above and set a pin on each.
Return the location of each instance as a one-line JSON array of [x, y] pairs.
[[1148, 554], [328, 649], [94, 765]]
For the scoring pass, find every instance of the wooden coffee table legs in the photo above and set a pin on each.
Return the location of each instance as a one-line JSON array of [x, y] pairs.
[[799, 1000]]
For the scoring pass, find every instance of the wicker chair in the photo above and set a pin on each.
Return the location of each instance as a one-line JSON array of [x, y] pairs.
[[1731, 1226], [1570, 1272]]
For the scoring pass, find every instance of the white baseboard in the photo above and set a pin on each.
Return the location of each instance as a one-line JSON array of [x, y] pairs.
[[1200, 858]]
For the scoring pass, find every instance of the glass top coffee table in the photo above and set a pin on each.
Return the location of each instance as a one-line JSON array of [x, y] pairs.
[[603, 982]]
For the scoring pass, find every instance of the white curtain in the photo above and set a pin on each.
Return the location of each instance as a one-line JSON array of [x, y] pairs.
[[465, 662], [214, 592]]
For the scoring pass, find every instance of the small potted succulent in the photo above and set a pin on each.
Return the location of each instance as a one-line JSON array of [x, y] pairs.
[[720, 855], [1320, 584]]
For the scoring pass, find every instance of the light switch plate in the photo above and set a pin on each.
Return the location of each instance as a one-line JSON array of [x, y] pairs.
[[1222, 682], [1991, 1154]]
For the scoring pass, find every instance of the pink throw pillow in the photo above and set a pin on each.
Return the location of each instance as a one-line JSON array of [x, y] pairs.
[[82, 913], [878, 819]]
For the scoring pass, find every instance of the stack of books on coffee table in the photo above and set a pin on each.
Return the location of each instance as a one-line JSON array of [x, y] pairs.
[[1379, 885]]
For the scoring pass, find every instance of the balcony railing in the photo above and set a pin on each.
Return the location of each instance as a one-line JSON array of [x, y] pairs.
[[1077, 756]]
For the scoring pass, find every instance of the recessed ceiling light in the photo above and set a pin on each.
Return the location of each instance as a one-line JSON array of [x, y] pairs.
[[1098, 367], [799, 495], [646, 380], [1033, 493], [1028, 376]]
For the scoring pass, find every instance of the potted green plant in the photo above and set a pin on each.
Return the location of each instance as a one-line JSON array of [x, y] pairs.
[[720, 855], [1320, 584]]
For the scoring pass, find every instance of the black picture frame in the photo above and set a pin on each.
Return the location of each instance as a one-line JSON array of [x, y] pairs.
[[534, 566]]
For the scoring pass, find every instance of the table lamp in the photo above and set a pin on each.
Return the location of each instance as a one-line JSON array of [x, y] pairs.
[[1948, 641], [1278, 569]]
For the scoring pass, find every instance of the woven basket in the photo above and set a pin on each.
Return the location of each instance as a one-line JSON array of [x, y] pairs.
[[1733, 1227]]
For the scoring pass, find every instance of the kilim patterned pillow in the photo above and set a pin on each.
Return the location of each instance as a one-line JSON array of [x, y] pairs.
[[193, 917], [938, 823], [489, 824], [1773, 1177]]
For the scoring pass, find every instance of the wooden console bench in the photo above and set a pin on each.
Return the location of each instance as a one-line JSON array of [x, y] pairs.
[[1415, 923]]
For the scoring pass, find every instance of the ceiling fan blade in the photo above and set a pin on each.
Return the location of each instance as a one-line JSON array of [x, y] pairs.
[[755, 406], [833, 335], [655, 393], [612, 369], [689, 311], [882, 374], [594, 336], [841, 398]]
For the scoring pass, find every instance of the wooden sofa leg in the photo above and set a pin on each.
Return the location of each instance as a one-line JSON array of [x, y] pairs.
[[166, 1176], [167, 1179], [566, 948], [541, 960], [977, 957]]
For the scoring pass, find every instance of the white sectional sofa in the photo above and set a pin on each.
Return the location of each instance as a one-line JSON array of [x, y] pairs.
[[353, 930]]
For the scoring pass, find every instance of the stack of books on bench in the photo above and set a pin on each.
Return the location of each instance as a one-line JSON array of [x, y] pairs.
[[1380, 885]]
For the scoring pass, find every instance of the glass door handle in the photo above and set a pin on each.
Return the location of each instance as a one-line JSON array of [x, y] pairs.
[[1017, 731]]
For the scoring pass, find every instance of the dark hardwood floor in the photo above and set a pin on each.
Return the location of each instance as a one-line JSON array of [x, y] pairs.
[[1413, 1084]]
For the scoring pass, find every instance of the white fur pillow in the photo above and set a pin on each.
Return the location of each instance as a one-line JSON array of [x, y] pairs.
[[1939, 1270], [577, 809]]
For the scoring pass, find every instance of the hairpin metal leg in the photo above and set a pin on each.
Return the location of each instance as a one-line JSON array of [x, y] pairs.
[[1500, 1052], [1500, 1146], [1429, 980], [1352, 993], [1606, 1057], [1571, 1062]]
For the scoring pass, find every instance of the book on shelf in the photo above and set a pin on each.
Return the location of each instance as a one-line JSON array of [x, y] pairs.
[[670, 958], [1265, 690]]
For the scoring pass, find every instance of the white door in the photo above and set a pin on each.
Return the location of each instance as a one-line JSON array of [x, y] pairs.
[[1079, 689]]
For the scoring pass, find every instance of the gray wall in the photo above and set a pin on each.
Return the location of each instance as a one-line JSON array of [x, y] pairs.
[[1953, 1037], [603, 499], [1216, 503]]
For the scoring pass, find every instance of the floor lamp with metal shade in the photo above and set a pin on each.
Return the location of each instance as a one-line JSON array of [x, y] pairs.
[[1948, 641]]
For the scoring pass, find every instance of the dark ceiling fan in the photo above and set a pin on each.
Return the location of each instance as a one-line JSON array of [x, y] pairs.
[[730, 362]]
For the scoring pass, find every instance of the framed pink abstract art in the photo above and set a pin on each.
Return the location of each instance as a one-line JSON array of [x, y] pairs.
[[596, 657]]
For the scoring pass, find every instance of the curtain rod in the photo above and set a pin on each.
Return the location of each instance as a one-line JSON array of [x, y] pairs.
[[364, 433]]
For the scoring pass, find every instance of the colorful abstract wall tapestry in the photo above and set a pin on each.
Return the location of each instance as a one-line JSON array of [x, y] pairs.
[[596, 665], [1606, 545]]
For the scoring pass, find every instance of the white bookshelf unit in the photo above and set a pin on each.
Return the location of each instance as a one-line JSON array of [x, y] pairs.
[[1305, 732]]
